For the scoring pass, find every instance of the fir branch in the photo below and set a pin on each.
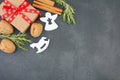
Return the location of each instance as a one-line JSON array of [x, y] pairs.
[[19, 40], [68, 13]]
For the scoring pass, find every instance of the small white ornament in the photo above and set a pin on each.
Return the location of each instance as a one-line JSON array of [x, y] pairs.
[[41, 45], [49, 20]]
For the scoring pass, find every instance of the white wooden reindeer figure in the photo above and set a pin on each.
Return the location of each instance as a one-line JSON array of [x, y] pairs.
[[41, 45]]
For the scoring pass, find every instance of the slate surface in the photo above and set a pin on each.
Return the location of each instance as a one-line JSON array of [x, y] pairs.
[[89, 50]]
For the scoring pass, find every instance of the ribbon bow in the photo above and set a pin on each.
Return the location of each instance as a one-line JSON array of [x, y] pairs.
[[12, 11]]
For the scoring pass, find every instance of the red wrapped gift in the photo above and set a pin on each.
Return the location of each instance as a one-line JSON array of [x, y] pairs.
[[19, 13]]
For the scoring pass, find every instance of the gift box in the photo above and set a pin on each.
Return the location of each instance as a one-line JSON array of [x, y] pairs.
[[19, 13]]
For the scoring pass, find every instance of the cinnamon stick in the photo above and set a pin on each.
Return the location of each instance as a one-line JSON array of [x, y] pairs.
[[46, 8], [48, 2]]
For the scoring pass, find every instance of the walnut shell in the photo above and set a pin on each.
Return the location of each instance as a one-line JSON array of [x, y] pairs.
[[5, 27], [7, 46], [36, 29]]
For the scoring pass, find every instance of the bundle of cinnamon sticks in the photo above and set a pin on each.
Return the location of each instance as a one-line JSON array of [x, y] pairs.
[[47, 5]]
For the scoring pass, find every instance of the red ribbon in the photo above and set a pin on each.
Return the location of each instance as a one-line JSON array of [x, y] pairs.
[[12, 11]]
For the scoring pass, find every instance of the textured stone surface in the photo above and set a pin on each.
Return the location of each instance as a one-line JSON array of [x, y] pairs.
[[89, 50]]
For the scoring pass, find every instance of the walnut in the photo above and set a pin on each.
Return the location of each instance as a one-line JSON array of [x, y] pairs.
[[7, 46], [36, 29], [5, 27]]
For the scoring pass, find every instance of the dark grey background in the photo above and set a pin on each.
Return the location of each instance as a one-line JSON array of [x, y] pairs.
[[89, 50]]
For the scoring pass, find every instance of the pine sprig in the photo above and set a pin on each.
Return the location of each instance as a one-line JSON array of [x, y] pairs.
[[68, 13], [18, 39]]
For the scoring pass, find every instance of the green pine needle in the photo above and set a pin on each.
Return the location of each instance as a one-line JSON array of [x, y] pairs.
[[18, 39], [68, 13]]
